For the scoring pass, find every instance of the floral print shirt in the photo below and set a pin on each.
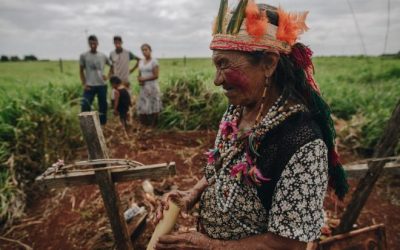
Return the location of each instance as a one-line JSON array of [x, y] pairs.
[[296, 210]]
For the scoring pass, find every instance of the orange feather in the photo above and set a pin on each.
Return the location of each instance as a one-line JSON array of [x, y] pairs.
[[256, 21], [291, 25]]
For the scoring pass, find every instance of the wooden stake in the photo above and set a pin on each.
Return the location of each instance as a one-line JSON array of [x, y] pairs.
[[97, 149], [61, 65]]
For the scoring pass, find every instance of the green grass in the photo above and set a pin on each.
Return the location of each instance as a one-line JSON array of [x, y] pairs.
[[39, 107], [369, 87], [37, 126], [351, 85]]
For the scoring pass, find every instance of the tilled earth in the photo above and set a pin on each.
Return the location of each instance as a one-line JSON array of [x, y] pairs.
[[74, 217]]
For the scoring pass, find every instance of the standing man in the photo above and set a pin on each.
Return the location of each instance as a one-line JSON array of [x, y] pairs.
[[93, 80], [120, 59]]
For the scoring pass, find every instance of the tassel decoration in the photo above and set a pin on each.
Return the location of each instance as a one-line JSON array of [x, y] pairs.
[[301, 57]]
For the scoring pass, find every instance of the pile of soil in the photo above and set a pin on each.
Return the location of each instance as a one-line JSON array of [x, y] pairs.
[[74, 217]]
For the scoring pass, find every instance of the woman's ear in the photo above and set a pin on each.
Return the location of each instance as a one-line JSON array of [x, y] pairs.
[[270, 62]]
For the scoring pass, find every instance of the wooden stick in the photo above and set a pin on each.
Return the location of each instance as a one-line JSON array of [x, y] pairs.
[[107, 161], [165, 225], [17, 242], [137, 221], [118, 175], [352, 233], [368, 160], [97, 149], [99, 163], [359, 170], [22, 226]]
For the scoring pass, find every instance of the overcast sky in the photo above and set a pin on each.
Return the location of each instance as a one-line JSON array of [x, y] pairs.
[[57, 29]]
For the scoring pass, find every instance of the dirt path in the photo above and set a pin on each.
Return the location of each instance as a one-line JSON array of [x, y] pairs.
[[74, 218]]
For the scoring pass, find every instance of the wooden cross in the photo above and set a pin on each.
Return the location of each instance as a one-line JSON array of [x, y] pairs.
[[105, 175]]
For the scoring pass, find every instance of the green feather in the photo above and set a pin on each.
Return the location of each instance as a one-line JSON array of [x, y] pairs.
[[240, 18], [251, 144], [237, 18], [221, 14]]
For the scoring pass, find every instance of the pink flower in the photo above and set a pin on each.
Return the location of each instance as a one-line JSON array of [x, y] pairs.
[[256, 176], [239, 170], [248, 159], [229, 129], [213, 155]]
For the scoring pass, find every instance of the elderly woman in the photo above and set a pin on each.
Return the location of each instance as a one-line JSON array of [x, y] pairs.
[[266, 177]]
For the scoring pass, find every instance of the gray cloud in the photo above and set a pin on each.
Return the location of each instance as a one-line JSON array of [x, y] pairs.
[[174, 28]]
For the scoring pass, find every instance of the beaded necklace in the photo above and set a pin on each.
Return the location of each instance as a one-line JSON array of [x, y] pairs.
[[229, 147]]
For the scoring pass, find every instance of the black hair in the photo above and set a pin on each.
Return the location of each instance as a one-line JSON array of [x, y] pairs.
[[118, 38], [146, 45], [92, 38], [115, 80], [291, 80], [293, 83]]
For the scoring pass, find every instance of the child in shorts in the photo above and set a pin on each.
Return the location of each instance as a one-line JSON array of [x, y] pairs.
[[122, 100]]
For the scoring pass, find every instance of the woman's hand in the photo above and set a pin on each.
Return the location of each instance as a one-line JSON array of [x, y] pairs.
[[141, 80], [184, 199], [192, 240]]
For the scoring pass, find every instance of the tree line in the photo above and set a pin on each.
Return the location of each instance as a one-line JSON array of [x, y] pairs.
[[5, 58]]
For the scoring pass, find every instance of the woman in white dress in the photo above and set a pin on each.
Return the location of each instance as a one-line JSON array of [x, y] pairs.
[[149, 104]]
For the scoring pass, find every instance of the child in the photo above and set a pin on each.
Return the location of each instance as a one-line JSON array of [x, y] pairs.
[[122, 100]]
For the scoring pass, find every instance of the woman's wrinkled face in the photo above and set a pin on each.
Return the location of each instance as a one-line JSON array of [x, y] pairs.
[[243, 82]]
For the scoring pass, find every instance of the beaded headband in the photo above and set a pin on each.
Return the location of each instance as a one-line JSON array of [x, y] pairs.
[[253, 28]]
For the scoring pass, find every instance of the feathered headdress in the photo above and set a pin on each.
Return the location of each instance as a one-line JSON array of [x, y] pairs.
[[248, 28]]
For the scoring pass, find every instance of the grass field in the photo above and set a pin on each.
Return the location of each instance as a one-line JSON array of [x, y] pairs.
[[39, 104]]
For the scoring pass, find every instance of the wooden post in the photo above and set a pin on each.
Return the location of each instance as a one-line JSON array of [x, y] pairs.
[[97, 149], [61, 65], [385, 148]]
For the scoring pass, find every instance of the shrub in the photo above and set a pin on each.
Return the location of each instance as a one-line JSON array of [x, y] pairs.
[[36, 127], [191, 102]]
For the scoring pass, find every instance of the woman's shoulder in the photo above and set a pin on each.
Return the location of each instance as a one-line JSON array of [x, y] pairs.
[[154, 62], [292, 134], [300, 130]]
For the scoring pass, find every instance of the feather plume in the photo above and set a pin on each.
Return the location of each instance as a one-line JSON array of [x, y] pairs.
[[214, 26], [237, 18], [291, 25], [218, 25], [256, 21]]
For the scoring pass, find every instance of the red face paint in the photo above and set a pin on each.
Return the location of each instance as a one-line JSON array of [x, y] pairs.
[[236, 78]]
